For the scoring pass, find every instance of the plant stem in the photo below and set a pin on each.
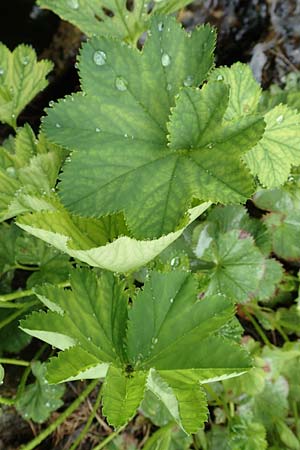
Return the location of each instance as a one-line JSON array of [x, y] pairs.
[[89, 421], [27, 371], [15, 362], [6, 401], [258, 328], [45, 433], [26, 293], [16, 314], [109, 438], [218, 399]]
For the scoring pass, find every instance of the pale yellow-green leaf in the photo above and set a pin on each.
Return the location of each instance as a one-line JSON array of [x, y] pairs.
[[271, 159], [22, 77]]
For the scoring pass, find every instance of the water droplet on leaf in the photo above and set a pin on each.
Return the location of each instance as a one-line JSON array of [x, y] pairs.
[[160, 26], [25, 60], [57, 125], [11, 171], [220, 77], [175, 261], [99, 58], [165, 60], [1, 71], [188, 81], [121, 84], [279, 119], [169, 87], [74, 4], [98, 130]]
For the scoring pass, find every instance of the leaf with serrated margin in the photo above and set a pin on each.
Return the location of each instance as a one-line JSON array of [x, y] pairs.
[[104, 242], [110, 17], [21, 79], [245, 92], [122, 395], [234, 265], [28, 173], [39, 399], [123, 133], [1, 374], [279, 149], [92, 317]]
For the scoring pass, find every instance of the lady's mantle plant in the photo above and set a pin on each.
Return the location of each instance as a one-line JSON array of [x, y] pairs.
[[154, 137], [169, 342]]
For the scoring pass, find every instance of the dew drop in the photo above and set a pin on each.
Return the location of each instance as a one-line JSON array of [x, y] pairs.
[[25, 60], [51, 103], [47, 404], [171, 300], [99, 58], [188, 81], [175, 261], [74, 4], [121, 84], [68, 159], [57, 125], [1, 71], [89, 338], [98, 130], [220, 77], [126, 135], [169, 87], [160, 26], [13, 116], [11, 171], [210, 145], [279, 119], [165, 60]]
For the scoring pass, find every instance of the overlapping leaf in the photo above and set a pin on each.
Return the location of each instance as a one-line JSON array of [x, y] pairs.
[[229, 246], [111, 17], [21, 79], [123, 155], [283, 221], [28, 173], [271, 159], [104, 242], [39, 399], [167, 342]]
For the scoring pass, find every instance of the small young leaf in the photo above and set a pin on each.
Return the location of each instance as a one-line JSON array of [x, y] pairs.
[[234, 265], [21, 79], [245, 92], [28, 173], [122, 395], [273, 156], [39, 399]]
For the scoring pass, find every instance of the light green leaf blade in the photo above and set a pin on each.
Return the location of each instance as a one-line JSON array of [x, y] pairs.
[[21, 79], [234, 264], [74, 364], [28, 173], [99, 306], [102, 242], [119, 115], [192, 404], [195, 125], [273, 156], [39, 400], [245, 92], [122, 395], [91, 17], [168, 438], [247, 435]]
